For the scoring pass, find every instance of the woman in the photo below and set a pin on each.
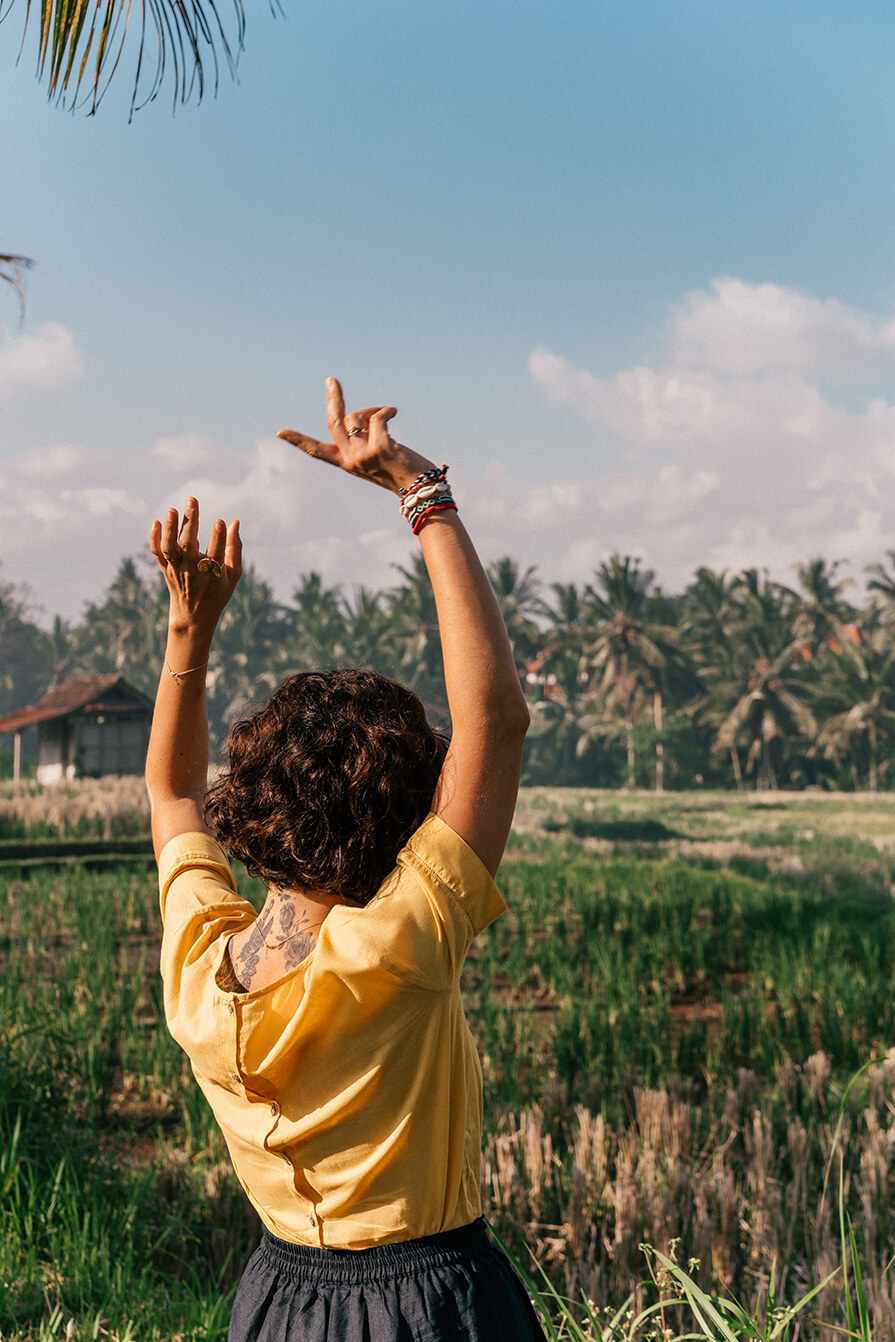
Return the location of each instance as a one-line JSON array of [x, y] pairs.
[[327, 1032]]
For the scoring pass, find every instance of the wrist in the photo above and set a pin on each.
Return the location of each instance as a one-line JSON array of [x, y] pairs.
[[187, 628], [187, 646], [406, 467]]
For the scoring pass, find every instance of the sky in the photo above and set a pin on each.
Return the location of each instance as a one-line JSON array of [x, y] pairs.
[[626, 265]]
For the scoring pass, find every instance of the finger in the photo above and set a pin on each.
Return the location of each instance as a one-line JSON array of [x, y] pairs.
[[217, 542], [233, 551], [378, 427], [369, 411], [355, 423], [170, 547], [335, 411], [312, 447], [189, 530], [361, 419], [155, 543]]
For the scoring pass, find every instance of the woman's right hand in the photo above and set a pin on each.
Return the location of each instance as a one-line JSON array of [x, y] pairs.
[[372, 454], [199, 586]]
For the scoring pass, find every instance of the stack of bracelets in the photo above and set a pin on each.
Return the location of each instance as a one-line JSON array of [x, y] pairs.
[[429, 493]]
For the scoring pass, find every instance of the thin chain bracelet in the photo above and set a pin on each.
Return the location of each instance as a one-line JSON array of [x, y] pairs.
[[175, 675]]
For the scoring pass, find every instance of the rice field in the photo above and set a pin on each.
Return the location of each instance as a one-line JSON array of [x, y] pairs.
[[669, 1017]]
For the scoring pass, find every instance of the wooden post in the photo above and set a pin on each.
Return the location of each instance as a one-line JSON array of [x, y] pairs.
[[16, 757]]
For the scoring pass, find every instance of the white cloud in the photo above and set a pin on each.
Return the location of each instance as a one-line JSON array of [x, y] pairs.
[[53, 463], [752, 462], [721, 458], [752, 328], [45, 359], [188, 451], [69, 515]]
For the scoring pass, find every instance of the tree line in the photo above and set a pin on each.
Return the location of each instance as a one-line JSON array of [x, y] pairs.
[[738, 681]]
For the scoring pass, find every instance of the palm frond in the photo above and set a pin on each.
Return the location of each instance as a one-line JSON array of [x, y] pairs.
[[12, 271], [80, 45]]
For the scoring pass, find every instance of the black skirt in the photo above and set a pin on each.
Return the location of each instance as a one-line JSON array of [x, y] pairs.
[[452, 1287]]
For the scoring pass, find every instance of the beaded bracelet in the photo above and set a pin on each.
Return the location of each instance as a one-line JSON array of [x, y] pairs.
[[444, 495], [424, 495], [433, 474], [428, 493]]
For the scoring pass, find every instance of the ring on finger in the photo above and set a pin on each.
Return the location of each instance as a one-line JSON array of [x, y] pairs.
[[206, 565], [355, 429]]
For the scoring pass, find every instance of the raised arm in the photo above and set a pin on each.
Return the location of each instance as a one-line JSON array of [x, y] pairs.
[[476, 793], [199, 587]]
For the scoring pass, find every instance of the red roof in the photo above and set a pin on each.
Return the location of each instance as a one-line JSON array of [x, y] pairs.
[[81, 694]]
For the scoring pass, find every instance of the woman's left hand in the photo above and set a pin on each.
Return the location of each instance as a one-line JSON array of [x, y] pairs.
[[199, 585]]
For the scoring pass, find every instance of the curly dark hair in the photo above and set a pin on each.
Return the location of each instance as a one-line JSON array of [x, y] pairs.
[[327, 782]]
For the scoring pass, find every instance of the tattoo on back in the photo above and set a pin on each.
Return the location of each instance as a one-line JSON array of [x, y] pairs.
[[289, 943], [298, 949], [251, 952], [227, 978]]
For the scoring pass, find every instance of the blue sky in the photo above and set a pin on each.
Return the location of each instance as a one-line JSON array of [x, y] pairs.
[[629, 268]]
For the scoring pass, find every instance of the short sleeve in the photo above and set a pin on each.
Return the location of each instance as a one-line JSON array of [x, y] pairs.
[[444, 861], [421, 923], [200, 909], [192, 870]]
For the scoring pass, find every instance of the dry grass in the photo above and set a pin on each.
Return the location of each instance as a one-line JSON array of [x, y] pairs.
[[99, 807], [738, 1192]]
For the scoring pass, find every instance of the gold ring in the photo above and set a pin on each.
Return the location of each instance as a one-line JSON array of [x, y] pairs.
[[353, 430], [206, 565]]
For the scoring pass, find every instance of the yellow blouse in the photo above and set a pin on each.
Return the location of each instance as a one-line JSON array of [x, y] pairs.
[[349, 1091]]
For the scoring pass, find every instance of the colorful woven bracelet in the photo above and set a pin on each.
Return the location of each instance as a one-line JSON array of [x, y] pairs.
[[421, 499], [433, 474], [440, 507], [444, 495]]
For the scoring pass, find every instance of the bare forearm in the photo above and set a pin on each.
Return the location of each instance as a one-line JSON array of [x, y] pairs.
[[199, 587], [177, 759], [480, 674]]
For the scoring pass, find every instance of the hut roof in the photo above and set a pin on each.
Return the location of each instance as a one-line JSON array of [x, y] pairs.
[[81, 694]]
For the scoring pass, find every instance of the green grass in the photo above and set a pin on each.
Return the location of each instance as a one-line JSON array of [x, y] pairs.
[[716, 960]]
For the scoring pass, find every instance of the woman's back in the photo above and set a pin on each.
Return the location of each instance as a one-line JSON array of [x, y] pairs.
[[348, 1090]]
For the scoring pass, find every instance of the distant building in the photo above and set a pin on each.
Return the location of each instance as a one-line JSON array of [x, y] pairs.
[[88, 727]]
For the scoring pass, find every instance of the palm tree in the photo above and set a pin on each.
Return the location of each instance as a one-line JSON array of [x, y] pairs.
[[314, 632], [125, 632], [824, 618], [629, 653], [882, 581], [557, 681], [80, 46], [23, 668], [366, 632], [62, 652], [518, 599], [708, 619], [858, 695], [244, 664], [415, 641], [761, 692]]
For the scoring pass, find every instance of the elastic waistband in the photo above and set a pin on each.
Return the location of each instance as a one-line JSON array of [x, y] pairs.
[[356, 1266]]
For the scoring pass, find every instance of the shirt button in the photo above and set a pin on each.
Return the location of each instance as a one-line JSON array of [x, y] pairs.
[[312, 1220], [229, 1008], [236, 1076], [275, 1109]]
